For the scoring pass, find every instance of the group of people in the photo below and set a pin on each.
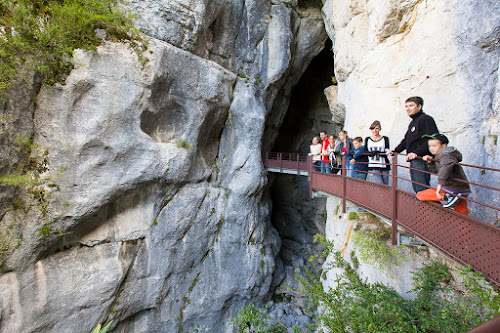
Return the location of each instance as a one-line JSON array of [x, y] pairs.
[[427, 150], [327, 154]]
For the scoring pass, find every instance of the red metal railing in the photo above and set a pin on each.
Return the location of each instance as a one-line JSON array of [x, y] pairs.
[[462, 237], [288, 161]]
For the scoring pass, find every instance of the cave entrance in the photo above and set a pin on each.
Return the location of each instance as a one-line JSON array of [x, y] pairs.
[[295, 216], [308, 112]]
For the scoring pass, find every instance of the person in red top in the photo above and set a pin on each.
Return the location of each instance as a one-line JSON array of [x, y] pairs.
[[325, 165]]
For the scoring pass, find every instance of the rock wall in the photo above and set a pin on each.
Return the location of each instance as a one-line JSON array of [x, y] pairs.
[[160, 216], [444, 51]]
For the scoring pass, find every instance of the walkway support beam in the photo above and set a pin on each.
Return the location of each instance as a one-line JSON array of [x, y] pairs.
[[344, 184], [394, 191], [298, 168], [310, 164]]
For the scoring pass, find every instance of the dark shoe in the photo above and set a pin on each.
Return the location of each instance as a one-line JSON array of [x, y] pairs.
[[450, 201]]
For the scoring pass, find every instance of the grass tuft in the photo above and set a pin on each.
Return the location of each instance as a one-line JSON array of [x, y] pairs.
[[42, 34]]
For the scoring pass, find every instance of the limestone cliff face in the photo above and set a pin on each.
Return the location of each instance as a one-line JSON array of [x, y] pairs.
[[447, 52], [160, 220]]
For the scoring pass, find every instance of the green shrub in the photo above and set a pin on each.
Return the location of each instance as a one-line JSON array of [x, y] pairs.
[[352, 216], [486, 300], [354, 260], [32, 191], [355, 305], [373, 248], [255, 320], [105, 329], [42, 34], [181, 143]]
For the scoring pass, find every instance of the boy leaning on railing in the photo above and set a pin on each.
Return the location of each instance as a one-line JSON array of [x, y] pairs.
[[452, 181]]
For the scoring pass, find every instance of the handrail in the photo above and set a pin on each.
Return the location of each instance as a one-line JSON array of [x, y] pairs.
[[304, 157], [473, 241], [455, 179]]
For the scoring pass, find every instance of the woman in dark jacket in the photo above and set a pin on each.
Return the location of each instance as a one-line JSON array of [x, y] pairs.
[[344, 145]]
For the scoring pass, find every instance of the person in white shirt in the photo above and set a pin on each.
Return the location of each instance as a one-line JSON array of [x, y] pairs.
[[316, 154]]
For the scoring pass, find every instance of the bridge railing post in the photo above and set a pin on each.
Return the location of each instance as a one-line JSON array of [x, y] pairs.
[[344, 184], [298, 171], [310, 163], [394, 192]]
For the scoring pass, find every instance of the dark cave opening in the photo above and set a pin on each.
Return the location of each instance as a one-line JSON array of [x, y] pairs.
[[296, 217], [308, 112]]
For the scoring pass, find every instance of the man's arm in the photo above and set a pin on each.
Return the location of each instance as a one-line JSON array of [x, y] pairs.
[[401, 146]]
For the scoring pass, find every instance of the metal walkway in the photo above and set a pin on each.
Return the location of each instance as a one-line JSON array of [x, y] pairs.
[[463, 238]]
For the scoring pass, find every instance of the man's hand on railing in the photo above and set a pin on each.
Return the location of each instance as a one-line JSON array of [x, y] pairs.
[[411, 156]]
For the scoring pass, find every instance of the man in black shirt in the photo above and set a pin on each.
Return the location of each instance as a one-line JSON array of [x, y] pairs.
[[415, 145]]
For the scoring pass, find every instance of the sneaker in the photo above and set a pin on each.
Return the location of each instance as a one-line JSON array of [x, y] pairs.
[[450, 201]]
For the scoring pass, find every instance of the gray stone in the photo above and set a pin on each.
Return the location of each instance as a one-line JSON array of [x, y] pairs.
[[161, 215], [336, 108]]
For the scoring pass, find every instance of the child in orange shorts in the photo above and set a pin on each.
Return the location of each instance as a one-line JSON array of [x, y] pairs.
[[449, 190]]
